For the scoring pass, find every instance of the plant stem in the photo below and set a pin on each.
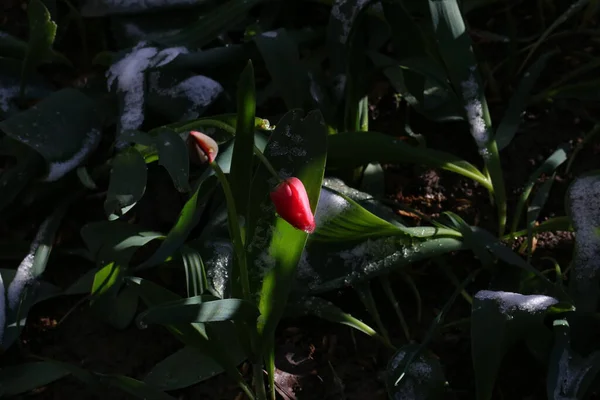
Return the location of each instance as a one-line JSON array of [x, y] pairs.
[[234, 231], [259, 383], [266, 163]]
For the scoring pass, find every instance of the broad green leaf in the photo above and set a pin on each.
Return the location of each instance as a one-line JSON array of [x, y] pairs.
[[584, 91], [297, 148], [42, 31], [106, 278], [327, 266], [240, 175], [16, 319], [64, 128], [280, 53], [115, 241], [339, 218], [188, 219], [118, 306], [199, 309], [570, 375], [184, 368], [220, 344], [173, 155], [518, 102], [23, 378], [423, 377], [136, 388], [583, 206], [498, 321], [353, 149], [127, 183], [328, 311]]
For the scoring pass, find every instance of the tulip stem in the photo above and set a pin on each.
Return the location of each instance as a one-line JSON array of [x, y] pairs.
[[267, 164], [234, 230]]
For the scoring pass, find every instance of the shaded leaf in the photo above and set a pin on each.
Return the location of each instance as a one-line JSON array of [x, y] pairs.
[[26, 377], [64, 128], [423, 377], [498, 321], [127, 183], [42, 31]]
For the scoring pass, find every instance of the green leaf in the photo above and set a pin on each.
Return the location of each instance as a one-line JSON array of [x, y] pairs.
[[339, 218], [297, 148], [64, 128], [42, 31], [327, 266], [16, 319], [106, 278], [188, 219], [547, 167], [423, 377], [184, 368], [115, 241], [223, 346], [328, 311], [26, 377], [206, 29], [117, 307], [498, 321], [12, 47], [199, 309], [353, 149], [518, 102], [173, 155], [241, 160], [282, 59], [127, 183], [136, 388], [570, 376]]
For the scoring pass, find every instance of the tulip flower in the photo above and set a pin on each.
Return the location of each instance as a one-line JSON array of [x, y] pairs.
[[206, 148], [291, 203]]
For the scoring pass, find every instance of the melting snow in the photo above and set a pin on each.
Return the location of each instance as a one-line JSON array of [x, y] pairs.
[[6, 95], [24, 275], [346, 16], [510, 302], [270, 34], [128, 73], [474, 110], [199, 89], [330, 205], [218, 266], [59, 169]]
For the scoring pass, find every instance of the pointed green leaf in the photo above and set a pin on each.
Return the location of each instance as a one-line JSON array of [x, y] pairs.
[[188, 219], [353, 149], [42, 31]]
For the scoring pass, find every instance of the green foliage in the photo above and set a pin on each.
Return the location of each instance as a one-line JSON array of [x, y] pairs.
[[234, 268]]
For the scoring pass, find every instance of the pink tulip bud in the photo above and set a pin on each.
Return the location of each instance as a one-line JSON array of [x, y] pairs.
[[206, 148], [291, 203]]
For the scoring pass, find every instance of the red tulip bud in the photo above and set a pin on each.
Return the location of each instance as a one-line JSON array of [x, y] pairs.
[[206, 148], [291, 203]]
